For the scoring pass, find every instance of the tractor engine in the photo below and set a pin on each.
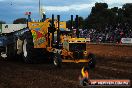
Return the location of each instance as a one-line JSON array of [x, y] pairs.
[[76, 47]]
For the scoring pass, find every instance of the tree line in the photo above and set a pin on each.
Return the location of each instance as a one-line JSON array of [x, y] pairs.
[[100, 16]]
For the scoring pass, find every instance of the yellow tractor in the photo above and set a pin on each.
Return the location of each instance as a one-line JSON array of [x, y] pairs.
[[52, 36]]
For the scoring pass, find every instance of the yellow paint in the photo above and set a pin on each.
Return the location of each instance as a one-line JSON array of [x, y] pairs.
[[62, 24], [42, 29], [75, 61]]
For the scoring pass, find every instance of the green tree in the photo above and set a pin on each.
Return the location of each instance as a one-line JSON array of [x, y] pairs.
[[127, 9], [127, 12], [101, 15], [99, 7]]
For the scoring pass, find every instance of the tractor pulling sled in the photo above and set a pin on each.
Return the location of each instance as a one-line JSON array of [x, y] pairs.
[[49, 37]]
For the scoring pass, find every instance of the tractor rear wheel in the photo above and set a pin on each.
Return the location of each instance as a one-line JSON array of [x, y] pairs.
[[28, 47]]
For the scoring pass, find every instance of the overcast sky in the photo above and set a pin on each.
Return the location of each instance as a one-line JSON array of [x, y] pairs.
[[12, 9]]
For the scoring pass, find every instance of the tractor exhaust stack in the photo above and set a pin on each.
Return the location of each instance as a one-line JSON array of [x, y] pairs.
[[71, 24], [76, 25], [58, 30], [52, 24]]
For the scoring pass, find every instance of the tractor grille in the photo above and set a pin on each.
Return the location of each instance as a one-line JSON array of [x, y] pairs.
[[77, 46], [78, 55]]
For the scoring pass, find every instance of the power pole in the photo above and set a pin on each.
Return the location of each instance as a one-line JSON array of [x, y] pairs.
[[39, 7]]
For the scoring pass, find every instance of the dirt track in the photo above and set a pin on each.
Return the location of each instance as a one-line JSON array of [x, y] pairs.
[[15, 74]]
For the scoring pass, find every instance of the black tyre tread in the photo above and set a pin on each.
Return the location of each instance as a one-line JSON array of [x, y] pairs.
[[30, 47]]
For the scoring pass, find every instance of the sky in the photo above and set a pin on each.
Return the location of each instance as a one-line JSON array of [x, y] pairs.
[[13, 9]]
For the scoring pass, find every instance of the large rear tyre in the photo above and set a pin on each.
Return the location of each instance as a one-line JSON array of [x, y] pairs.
[[28, 47]]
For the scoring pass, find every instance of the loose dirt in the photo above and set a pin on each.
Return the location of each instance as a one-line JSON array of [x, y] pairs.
[[113, 62]]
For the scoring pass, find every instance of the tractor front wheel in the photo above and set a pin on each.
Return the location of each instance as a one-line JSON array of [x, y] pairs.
[[92, 62]]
